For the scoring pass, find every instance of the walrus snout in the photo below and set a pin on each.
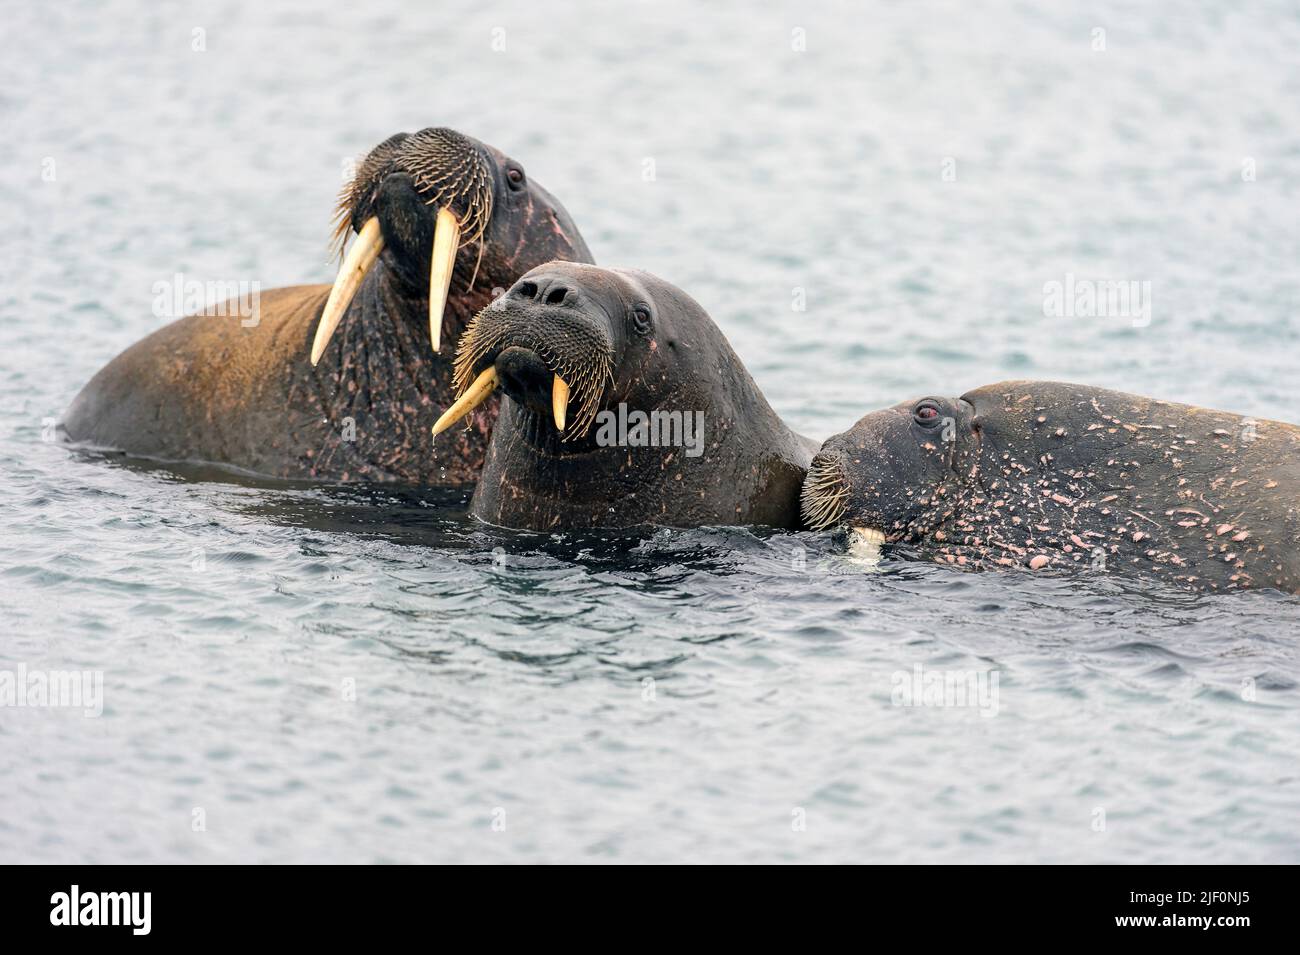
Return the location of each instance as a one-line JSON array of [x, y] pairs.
[[885, 472], [525, 378], [544, 339], [825, 491], [551, 290], [421, 197], [826, 498], [853, 481]]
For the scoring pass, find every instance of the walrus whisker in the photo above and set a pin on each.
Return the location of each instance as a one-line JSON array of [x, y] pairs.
[[478, 260], [447, 168], [583, 377], [369, 172], [825, 493]]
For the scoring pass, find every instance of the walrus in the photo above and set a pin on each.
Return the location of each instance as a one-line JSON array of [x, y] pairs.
[[626, 407], [1043, 474], [336, 383]]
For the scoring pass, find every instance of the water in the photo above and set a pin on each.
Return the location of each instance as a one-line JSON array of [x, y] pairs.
[[500, 678]]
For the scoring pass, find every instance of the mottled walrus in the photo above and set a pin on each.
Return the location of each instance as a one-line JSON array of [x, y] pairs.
[[627, 407], [1043, 474], [338, 384]]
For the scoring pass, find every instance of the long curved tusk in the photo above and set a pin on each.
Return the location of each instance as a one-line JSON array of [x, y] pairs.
[[362, 255], [559, 401], [474, 396], [446, 239]]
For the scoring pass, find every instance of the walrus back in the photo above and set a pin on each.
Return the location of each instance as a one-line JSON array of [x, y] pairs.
[[1205, 497], [182, 393]]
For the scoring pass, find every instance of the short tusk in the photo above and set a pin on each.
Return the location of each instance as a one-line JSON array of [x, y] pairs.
[[869, 535], [362, 255], [865, 544], [446, 239], [474, 396], [559, 401]]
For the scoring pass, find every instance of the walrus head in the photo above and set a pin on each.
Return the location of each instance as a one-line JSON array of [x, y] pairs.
[[438, 203], [890, 472], [553, 341], [625, 406], [1050, 474]]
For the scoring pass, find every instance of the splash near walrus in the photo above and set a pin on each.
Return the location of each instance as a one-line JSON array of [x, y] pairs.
[[1041, 474], [337, 383], [625, 406]]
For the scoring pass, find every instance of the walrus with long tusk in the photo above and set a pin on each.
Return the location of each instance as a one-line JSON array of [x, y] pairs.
[[337, 383], [625, 406], [1041, 474]]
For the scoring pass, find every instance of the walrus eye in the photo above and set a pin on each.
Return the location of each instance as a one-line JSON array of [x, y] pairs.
[[641, 319], [926, 414], [515, 176]]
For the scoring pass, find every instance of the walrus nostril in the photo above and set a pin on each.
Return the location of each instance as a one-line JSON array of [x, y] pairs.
[[556, 295], [526, 289]]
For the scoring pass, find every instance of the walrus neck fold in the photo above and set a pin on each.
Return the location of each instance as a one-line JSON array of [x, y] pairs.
[[378, 382]]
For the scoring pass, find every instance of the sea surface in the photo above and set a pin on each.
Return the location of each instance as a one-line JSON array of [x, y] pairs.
[[871, 200]]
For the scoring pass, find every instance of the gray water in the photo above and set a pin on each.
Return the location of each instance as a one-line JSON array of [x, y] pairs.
[[297, 673]]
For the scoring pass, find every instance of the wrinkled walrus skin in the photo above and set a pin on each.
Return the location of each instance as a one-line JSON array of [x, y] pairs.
[[1042, 474], [243, 392], [570, 345]]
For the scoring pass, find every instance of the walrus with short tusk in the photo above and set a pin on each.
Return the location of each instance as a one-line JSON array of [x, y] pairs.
[[626, 407], [1041, 474], [337, 383]]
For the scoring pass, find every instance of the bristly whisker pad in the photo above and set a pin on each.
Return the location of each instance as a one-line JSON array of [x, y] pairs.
[[825, 492], [448, 170], [571, 347]]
